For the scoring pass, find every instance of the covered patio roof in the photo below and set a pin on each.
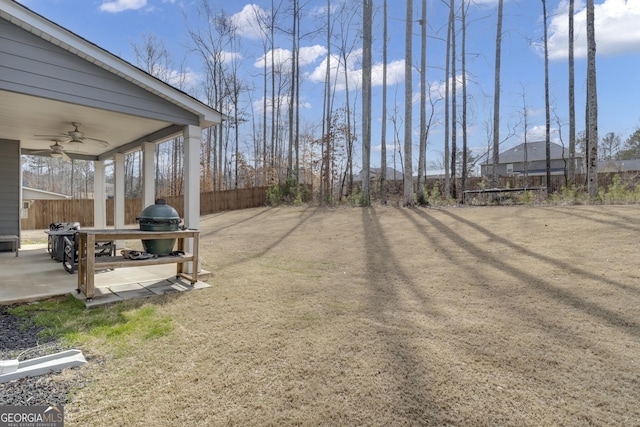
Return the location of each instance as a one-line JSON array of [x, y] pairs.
[[30, 106]]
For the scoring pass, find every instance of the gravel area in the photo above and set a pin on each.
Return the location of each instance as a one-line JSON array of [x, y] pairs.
[[19, 340]]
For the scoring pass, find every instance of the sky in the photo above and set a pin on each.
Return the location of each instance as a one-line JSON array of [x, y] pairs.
[[118, 25]]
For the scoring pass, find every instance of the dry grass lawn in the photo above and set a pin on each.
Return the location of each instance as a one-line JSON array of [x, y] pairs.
[[507, 316]]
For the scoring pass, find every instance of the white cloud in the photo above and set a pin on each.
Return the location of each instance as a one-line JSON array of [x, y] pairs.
[[179, 79], [249, 22], [122, 5], [438, 89], [539, 133], [395, 72], [282, 57], [617, 28], [227, 57]]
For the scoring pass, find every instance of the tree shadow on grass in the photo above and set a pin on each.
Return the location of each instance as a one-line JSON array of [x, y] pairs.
[[261, 212], [409, 371], [306, 215], [536, 283], [630, 223]]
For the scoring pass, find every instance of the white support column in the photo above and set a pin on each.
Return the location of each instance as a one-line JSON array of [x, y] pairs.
[[118, 191], [192, 136], [149, 174], [99, 195]]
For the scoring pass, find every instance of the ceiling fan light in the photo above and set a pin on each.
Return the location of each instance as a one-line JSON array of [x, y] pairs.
[[56, 154]]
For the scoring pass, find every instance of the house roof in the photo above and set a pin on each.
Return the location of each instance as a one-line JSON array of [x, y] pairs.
[[535, 151], [34, 193], [42, 27]]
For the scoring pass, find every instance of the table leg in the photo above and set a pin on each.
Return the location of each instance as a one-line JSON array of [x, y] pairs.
[[91, 258], [82, 266]]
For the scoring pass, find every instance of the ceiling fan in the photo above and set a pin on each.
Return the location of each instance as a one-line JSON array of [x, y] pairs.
[[75, 136], [56, 150]]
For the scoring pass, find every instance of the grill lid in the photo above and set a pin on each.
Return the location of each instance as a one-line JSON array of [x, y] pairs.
[[160, 213]]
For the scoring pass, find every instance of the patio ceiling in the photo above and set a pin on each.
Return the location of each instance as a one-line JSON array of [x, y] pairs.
[[23, 116]]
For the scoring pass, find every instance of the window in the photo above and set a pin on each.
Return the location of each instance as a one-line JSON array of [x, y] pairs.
[[510, 168]]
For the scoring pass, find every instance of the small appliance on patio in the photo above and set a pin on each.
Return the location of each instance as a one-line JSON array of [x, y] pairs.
[[159, 217], [56, 234], [70, 256]]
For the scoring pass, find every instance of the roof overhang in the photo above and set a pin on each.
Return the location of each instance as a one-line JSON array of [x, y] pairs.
[[71, 42]]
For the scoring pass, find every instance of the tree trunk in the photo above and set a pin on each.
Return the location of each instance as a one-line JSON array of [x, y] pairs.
[[292, 94], [572, 102], [464, 98], [454, 113], [547, 109], [447, 103], [408, 175], [592, 104], [496, 100], [383, 136], [423, 106], [367, 16]]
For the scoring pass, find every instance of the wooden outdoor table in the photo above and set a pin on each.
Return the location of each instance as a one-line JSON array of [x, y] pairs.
[[88, 263]]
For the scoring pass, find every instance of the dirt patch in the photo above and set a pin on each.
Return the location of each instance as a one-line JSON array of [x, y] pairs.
[[474, 316]]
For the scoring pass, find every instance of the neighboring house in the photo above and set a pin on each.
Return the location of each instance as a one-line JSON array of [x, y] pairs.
[[56, 83], [31, 194], [617, 166], [515, 162]]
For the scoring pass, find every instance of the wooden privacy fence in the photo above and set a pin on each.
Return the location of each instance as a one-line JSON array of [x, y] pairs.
[[43, 212]]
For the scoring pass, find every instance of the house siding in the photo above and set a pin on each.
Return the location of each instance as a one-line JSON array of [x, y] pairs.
[[33, 66], [9, 189]]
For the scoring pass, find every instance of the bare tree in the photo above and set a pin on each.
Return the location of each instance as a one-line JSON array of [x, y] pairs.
[[383, 136], [525, 126], [610, 146], [447, 103], [408, 105], [346, 14], [423, 107], [463, 55], [547, 137], [496, 99], [292, 94], [592, 105], [325, 186], [367, 17], [454, 113], [572, 102]]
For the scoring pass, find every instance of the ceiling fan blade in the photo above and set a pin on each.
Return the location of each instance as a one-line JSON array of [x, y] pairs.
[[65, 157], [58, 136], [99, 141], [29, 152]]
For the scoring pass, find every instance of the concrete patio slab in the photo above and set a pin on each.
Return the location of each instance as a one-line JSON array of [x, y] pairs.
[[165, 287], [131, 291], [34, 275]]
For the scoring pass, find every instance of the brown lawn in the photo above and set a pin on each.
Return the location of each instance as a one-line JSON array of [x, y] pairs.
[[507, 316]]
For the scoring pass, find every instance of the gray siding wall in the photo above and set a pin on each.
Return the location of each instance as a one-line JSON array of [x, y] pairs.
[[31, 65], [9, 189], [535, 167]]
